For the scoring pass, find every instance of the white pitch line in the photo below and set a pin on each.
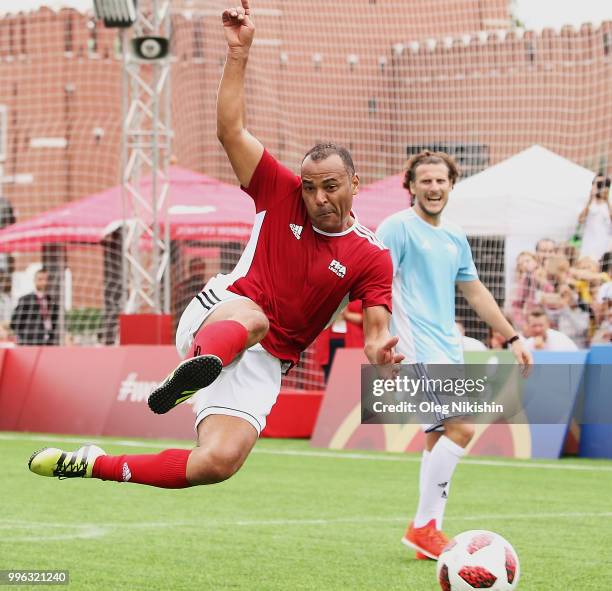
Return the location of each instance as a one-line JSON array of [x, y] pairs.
[[464, 461], [341, 455], [89, 530], [84, 531], [511, 517]]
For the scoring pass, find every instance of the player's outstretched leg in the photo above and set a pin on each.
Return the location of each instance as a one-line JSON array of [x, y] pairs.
[[164, 470], [224, 443], [51, 461], [215, 346]]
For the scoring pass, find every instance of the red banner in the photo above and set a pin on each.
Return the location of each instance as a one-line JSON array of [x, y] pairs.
[[104, 391]]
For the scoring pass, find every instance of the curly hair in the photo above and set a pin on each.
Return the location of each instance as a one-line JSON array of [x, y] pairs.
[[428, 157]]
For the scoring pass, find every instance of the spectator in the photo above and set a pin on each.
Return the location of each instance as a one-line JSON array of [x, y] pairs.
[[545, 248], [604, 293], [353, 314], [35, 318], [556, 271], [7, 217], [573, 319], [603, 335], [469, 343], [7, 338], [543, 338], [587, 275], [345, 331], [606, 263], [327, 343], [555, 277], [596, 220], [569, 251], [6, 302], [525, 287]]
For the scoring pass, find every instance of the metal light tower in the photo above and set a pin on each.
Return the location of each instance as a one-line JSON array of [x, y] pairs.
[[145, 149]]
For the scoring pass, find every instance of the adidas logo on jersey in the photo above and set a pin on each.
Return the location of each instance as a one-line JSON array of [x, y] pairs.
[[125, 472], [337, 268], [297, 230]]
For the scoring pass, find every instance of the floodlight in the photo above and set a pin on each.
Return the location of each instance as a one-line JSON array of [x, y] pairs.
[[116, 13]]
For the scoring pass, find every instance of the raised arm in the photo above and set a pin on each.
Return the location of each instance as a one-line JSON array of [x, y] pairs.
[[243, 149], [585, 211]]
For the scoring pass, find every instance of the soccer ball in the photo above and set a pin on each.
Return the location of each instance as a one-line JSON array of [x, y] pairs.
[[478, 559]]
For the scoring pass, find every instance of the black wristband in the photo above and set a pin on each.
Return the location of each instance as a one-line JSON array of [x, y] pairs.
[[511, 340]]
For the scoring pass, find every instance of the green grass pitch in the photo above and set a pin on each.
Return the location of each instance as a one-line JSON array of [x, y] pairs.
[[298, 518]]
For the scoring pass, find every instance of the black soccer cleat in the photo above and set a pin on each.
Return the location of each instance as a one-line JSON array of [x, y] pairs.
[[189, 377]]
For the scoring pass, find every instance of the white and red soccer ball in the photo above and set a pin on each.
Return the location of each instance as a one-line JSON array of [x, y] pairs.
[[478, 559]]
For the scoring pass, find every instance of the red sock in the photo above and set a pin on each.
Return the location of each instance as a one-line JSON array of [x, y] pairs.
[[167, 469], [226, 339]]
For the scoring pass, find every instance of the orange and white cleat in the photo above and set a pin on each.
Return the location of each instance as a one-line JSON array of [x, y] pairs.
[[427, 540]]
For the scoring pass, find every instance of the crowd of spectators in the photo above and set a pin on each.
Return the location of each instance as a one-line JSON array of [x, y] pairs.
[[561, 298], [562, 293]]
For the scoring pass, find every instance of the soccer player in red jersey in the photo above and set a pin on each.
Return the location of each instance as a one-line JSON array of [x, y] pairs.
[[307, 256]]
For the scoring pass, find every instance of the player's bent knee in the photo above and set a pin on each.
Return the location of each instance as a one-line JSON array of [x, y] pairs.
[[261, 322], [213, 466], [460, 433], [257, 325]]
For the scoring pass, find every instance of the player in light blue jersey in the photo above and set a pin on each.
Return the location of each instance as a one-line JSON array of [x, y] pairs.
[[430, 257]]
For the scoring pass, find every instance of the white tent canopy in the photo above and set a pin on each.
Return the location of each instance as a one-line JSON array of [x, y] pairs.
[[531, 195], [534, 193]]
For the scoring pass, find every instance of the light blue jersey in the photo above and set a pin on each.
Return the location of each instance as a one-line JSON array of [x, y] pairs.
[[427, 262]]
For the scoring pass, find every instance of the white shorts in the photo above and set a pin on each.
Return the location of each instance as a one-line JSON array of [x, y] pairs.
[[213, 295], [249, 386]]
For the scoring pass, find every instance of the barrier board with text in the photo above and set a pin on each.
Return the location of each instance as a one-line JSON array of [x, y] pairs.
[[339, 423]]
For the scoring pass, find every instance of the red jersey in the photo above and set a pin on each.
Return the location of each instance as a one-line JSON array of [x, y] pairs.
[[300, 276]]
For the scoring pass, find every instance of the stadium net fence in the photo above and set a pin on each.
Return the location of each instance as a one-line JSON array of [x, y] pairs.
[[385, 78]]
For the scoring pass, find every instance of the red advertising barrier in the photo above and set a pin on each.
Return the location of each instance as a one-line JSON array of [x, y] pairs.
[[18, 367], [145, 329], [104, 391], [68, 389], [294, 414]]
